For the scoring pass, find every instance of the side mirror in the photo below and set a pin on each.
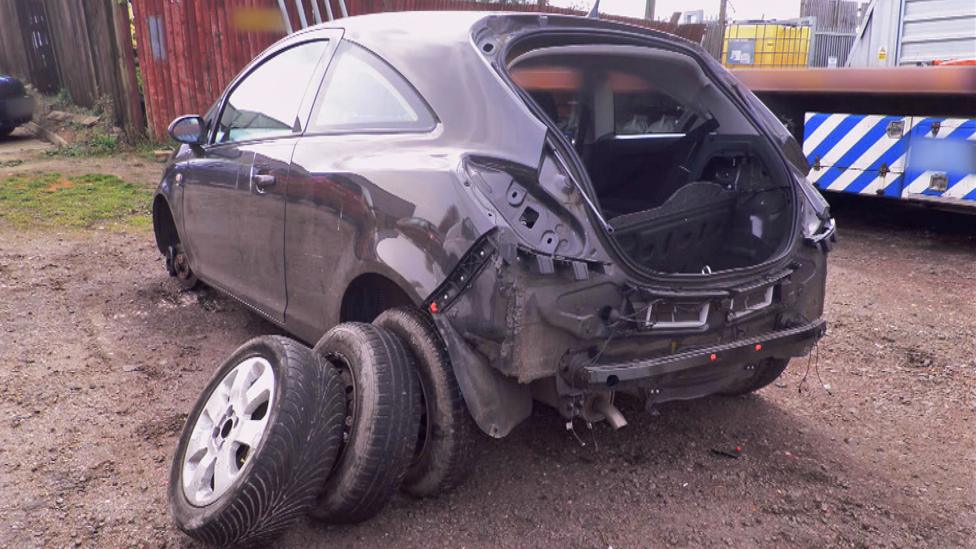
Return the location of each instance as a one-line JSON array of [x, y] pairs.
[[188, 129]]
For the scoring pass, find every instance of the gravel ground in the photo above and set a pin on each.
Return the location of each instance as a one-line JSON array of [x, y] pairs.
[[102, 355]]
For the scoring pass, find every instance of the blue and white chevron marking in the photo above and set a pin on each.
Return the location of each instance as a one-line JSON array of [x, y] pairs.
[[948, 152], [871, 154], [855, 153]]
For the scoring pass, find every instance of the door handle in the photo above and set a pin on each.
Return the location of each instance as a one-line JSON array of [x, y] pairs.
[[261, 180]]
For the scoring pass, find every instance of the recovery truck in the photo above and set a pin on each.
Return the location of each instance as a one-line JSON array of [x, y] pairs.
[[905, 133]]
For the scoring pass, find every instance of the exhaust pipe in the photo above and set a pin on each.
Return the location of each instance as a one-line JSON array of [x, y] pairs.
[[609, 411]]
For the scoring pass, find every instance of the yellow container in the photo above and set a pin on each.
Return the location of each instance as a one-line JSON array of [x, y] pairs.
[[766, 45]]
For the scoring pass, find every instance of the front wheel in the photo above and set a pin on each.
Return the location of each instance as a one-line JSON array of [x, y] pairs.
[[766, 372], [258, 445]]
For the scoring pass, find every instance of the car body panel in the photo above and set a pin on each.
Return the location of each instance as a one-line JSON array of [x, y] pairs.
[[363, 210]]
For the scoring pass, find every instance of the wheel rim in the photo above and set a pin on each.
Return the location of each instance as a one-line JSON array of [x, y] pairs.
[[348, 379], [182, 266], [228, 431]]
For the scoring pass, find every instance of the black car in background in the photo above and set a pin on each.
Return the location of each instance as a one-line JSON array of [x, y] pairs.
[[16, 107]]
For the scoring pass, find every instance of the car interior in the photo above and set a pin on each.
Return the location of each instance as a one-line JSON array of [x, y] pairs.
[[679, 172]]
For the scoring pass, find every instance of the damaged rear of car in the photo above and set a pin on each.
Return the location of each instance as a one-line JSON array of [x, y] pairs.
[[667, 245]]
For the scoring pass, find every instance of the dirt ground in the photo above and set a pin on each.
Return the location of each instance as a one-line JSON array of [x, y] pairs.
[[101, 356]]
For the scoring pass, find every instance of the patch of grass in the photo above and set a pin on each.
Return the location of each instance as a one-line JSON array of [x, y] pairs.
[[97, 144], [51, 200]]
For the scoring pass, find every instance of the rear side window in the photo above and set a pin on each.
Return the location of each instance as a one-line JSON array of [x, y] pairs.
[[363, 93], [265, 103]]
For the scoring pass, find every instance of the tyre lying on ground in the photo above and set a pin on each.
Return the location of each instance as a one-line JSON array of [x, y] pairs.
[[447, 435], [258, 445], [382, 420]]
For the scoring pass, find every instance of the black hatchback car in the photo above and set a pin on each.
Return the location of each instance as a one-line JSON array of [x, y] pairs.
[[581, 207], [479, 212], [16, 106]]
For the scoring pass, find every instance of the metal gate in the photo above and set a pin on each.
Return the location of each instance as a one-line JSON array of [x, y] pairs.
[[835, 23], [316, 13]]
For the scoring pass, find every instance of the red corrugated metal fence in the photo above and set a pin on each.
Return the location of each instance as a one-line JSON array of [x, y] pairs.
[[190, 50]]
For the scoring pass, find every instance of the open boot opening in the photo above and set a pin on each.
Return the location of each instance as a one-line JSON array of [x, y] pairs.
[[679, 172]]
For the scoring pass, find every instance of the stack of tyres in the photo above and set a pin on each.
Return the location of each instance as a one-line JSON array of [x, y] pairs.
[[282, 431]]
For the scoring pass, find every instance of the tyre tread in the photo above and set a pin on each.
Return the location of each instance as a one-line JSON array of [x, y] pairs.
[[378, 452]]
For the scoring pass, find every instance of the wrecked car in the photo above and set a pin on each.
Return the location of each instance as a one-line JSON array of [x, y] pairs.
[[484, 212]]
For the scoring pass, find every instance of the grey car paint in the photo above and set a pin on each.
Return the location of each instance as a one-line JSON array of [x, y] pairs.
[[413, 207]]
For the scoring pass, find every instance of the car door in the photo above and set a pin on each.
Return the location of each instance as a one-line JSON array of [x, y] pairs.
[[233, 200]]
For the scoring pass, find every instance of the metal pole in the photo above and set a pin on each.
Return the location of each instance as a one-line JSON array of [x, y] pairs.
[[328, 10], [342, 8], [649, 10], [301, 13], [284, 15], [315, 12]]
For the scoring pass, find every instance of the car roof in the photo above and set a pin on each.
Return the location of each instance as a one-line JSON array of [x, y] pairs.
[[457, 25]]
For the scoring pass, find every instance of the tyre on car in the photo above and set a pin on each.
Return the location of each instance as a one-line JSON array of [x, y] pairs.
[[258, 444], [447, 435], [382, 420]]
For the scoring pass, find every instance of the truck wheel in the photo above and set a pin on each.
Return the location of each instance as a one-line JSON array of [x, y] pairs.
[[258, 445], [766, 372], [382, 419], [447, 436]]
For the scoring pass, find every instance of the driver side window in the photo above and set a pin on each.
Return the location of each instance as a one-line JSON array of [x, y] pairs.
[[265, 103]]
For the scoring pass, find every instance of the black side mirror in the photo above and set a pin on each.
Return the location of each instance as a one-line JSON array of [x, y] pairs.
[[189, 129]]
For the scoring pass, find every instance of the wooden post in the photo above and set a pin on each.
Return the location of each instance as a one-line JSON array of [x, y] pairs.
[[133, 118]]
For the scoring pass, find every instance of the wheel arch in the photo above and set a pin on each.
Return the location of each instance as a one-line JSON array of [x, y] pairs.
[[164, 225], [369, 294]]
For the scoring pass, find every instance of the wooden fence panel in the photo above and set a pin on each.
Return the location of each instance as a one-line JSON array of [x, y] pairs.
[[13, 54], [91, 47]]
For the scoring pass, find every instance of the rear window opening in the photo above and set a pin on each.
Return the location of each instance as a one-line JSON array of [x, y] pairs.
[[679, 172]]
